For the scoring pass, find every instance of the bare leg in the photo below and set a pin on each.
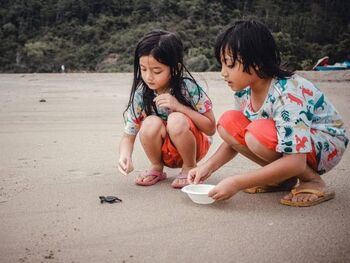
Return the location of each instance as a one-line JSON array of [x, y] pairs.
[[261, 155], [183, 139], [239, 147], [308, 179], [152, 134], [255, 153]]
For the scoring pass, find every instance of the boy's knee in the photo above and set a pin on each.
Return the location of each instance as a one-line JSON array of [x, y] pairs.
[[261, 133], [151, 125], [233, 121], [263, 129], [251, 141], [177, 123], [230, 116], [226, 136]]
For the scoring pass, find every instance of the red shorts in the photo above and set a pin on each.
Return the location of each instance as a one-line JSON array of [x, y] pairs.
[[264, 130], [171, 156]]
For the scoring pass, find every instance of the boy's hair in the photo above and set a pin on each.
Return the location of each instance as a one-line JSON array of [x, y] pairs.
[[167, 49], [251, 43]]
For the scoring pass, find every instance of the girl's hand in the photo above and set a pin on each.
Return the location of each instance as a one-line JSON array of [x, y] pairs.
[[198, 174], [167, 101], [224, 190], [125, 165]]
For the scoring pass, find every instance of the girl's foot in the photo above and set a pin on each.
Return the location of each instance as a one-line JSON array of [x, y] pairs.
[[146, 177], [181, 179]]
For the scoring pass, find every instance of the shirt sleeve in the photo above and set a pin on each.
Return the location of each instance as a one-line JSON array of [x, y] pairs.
[[292, 123], [241, 99], [200, 100], [134, 115]]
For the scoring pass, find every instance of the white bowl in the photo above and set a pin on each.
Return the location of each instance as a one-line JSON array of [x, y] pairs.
[[199, 193]]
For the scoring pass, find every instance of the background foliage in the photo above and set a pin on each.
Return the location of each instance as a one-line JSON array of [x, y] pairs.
[[100, 35]]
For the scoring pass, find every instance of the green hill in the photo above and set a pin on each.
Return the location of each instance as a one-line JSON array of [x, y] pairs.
[[100, 35]]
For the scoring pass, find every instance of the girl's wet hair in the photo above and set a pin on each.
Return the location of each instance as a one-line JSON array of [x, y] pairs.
[[251, 43], [167, 49]]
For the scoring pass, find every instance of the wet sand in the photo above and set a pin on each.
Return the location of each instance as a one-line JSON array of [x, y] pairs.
[[59, 155]]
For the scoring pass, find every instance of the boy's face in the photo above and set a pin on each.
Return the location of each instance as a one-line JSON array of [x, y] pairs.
[[233, 73], [155, 74]]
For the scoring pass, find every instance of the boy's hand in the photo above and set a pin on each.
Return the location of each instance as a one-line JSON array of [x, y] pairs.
[[198, 174], [167, 101], [224, 190], [125, 165]]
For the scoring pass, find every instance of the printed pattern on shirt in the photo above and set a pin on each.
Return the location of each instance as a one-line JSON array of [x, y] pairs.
[[304, 118], [193, 93]]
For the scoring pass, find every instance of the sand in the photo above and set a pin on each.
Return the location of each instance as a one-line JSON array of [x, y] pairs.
[[59, 155]]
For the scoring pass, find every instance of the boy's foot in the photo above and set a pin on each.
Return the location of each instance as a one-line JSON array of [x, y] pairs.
[[150, 177], [286, 185], [308, 194]]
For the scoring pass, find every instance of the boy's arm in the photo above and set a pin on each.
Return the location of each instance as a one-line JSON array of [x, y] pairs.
[[283, 168], [223, 154], [126, 147]]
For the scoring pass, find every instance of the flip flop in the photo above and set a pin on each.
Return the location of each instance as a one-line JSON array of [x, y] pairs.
[[179, 176], [286, 185], [322, 196], [158, 176]]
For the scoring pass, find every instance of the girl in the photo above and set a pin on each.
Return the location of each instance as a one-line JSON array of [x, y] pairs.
[[280, 121], [171, 113]]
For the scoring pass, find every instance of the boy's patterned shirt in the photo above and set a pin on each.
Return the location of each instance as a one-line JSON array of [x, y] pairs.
[[301, 113], [193, 93]]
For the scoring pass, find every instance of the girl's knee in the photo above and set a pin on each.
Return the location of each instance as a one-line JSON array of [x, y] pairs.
[[151, 126], [177, 123]]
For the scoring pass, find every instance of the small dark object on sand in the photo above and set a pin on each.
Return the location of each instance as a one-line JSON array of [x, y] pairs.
[[42, 100], [109, 199]]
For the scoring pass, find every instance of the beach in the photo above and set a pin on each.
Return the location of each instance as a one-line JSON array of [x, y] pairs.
[[59, 152]]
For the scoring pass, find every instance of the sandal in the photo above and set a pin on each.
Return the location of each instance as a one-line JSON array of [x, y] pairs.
[[158, 176], [179, 176], [286, 185], [322, 196]]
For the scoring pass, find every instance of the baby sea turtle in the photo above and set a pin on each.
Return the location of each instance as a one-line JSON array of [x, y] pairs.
[[109, 199]]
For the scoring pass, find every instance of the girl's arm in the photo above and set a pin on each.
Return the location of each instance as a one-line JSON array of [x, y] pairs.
[[204, 122], [126, 147], [283, 168]]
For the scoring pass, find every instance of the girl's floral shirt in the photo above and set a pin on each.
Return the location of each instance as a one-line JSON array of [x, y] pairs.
[[304, 118], [192, 92]]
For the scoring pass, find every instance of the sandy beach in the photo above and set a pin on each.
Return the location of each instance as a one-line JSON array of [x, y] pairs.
[[59, 141]]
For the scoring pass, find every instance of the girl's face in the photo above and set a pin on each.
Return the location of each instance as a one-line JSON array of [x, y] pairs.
[[155, 74], [233, 73]]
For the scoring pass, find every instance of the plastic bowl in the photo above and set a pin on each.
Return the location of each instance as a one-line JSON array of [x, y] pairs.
[[199, 193]]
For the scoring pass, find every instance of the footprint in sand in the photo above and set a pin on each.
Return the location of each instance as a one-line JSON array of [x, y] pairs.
[[97, 174], [76, 173]]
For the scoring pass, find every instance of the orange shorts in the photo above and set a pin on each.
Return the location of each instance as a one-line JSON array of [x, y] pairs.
[[171, 156], [264, 130]]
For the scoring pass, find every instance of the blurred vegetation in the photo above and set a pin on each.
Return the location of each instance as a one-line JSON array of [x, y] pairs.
[[100, 35]]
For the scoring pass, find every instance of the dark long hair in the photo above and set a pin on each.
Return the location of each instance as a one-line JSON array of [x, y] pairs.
[[251, 43], [167, 49]]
